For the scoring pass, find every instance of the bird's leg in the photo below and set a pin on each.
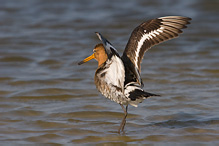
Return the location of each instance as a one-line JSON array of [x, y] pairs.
[[122, 125]]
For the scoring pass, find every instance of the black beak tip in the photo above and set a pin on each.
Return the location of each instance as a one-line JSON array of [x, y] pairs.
[[79, 63]]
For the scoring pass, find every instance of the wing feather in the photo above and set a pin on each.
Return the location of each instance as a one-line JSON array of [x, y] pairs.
[[151, 33]]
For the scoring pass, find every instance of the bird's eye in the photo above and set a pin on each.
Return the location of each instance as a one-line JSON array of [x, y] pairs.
[[94, 50]]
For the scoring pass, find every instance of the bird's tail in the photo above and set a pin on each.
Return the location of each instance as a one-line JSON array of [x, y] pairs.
[[138, 96]]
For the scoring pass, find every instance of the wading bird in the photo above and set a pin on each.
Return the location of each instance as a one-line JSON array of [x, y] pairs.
[[118, 78]]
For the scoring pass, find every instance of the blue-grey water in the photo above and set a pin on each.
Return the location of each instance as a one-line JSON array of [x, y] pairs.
[[46, 98]]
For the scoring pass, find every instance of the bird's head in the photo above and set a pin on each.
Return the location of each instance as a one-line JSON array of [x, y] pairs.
[[99, 54]]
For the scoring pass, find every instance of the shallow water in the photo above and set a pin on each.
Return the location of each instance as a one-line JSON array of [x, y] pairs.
[[45, 97]]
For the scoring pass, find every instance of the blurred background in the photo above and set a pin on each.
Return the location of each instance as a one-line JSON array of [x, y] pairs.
[[45, 97]]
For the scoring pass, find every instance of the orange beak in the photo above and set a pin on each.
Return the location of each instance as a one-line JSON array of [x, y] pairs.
[[87, 59]]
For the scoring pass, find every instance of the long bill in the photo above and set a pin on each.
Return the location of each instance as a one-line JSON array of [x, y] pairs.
[[87, 59]]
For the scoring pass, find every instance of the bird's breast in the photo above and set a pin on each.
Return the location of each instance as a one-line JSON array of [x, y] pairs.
[[109, 80]]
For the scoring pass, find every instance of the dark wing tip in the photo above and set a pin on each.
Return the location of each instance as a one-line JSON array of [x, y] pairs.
[[176, 17], [183, 18], [189, 18], [99, 35], [187, 22]]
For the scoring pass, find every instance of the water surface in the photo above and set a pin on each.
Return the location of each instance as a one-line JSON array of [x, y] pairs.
[[45, 97]]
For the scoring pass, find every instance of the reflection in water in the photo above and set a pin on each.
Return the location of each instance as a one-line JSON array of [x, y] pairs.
[[46, 98]]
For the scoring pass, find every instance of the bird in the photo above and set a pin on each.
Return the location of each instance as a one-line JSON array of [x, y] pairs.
[[119, 77]]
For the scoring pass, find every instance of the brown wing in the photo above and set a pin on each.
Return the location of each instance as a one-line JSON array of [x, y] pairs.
[[151, 33]]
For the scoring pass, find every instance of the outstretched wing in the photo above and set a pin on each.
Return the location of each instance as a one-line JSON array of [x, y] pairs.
[[151, 33]]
